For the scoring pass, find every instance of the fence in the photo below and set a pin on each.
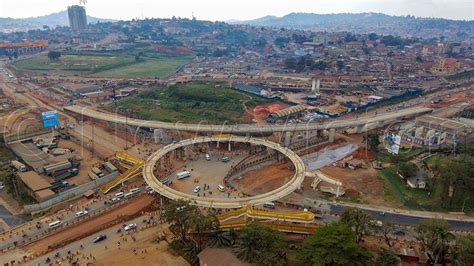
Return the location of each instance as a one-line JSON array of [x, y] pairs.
[[70, 194]]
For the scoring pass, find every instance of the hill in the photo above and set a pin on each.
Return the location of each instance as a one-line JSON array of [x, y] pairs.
[[52, 20], [363, 23]]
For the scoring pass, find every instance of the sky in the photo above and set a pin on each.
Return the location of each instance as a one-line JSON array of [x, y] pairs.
[[239, 9]]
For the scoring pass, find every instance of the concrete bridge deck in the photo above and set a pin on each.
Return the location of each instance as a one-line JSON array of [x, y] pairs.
[[293, 183], [247, 128]]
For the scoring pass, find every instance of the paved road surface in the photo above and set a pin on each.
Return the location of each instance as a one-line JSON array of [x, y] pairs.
[[249, 128], [404, 219]]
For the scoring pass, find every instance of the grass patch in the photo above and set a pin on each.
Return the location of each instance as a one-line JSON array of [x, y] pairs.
[[74, 63], [410, 197], [118, 64], [149, 67], [194, 102]]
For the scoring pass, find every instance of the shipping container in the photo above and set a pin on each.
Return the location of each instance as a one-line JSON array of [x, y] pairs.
[[110, 167], [49, 169]]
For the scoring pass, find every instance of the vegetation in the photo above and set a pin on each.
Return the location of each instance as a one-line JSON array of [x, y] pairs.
[[387, 258], [305, 63], [135, 63], [373, 141], [435, 238], [454, 181], [465, 250], [407, 170], [261, 245], [54, 55], [359, 220], [333, 244], [193, 102]]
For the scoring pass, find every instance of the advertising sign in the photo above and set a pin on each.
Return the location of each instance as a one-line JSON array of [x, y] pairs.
[[50, 119]]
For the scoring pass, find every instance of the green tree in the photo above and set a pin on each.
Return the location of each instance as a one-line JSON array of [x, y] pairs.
[[333, 244], [219, 238], [454, 180], [373, 141], [373, 36], [465, 250], [261, 245], [407, 170], [54, 55], [181, 216], [200, 224], [385, 229], [435, 238], [359, 220], [387, 258]]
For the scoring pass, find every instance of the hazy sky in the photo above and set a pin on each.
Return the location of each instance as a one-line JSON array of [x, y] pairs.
[[239, 9]]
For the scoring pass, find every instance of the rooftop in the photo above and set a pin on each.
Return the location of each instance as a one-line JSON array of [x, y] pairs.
[[33, 181]]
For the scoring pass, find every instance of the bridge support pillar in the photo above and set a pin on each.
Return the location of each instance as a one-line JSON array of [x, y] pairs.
[[229, 147], [287, 138], [332, 134]]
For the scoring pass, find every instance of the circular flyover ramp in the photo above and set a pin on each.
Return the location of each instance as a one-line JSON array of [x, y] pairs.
[[294, 182]]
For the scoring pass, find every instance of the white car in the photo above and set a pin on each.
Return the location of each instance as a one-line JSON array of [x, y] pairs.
[[81, 213], [130, 227], [197, 189]]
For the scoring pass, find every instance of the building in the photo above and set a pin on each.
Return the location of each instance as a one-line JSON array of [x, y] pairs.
[[446, 65], [436, 131], [77, 18], [20, 48], [285, 113], [36, 186]]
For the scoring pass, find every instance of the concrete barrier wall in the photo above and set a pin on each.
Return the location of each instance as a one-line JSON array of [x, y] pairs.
[[70, 194]]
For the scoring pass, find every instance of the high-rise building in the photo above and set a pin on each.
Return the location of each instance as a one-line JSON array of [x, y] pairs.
[[77, 18]]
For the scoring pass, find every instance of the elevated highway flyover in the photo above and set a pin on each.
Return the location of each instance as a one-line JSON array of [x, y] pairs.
[[361, 121]]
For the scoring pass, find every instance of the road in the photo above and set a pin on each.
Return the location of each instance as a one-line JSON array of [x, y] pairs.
[[248, 128], [404, 219], [30, 230], [293, 183]]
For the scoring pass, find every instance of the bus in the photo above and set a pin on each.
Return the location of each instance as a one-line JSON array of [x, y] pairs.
[[183, 174], [55, 224]]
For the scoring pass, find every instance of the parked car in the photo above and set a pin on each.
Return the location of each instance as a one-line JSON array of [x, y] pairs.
[[100, 238], [130, 227], [197, 189]]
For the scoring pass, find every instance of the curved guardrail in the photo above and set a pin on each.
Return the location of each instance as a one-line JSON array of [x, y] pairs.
[[293, 184]]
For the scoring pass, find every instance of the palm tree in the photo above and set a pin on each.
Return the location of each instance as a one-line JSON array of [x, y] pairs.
[[246, 245], [219, 238]]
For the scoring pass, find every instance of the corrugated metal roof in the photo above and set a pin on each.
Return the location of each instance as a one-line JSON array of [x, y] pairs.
[[289, 111]]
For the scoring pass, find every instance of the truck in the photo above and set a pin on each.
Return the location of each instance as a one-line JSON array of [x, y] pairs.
[[65, 174], [97, 171], [110, 167], [92, 176], [49, 169], [50, 143], [18, 166], [59, 151], [58, 185]]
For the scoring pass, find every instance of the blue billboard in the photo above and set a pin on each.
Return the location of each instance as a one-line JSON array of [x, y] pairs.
[[50, 118]]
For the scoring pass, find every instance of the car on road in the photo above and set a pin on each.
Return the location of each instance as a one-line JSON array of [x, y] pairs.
[[221, 188], [197, 189], [225, 159], [130, 227], [81, 213], [99, 238]]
